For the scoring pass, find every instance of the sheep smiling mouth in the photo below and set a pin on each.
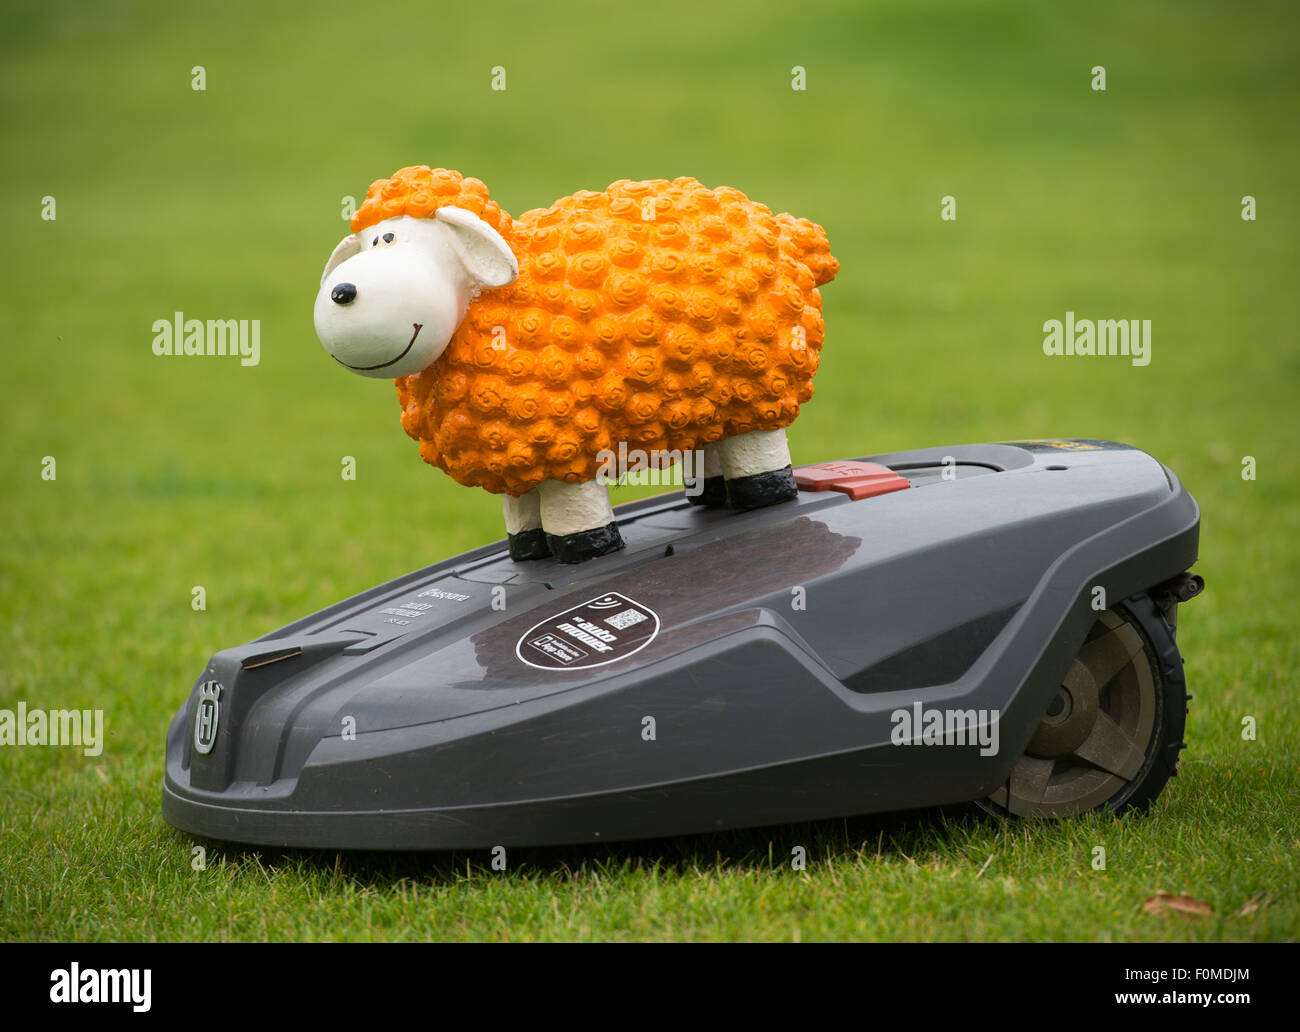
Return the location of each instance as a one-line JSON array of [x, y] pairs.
[[364, 368]]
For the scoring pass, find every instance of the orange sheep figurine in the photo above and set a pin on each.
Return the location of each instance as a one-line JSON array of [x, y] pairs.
[[661, 316]]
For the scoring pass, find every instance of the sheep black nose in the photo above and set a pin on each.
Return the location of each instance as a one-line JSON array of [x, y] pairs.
[[344, 294]]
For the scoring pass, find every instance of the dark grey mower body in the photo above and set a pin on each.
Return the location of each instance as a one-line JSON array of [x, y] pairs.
[[746, 674]]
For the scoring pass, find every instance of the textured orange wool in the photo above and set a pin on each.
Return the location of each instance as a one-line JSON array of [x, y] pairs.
[[661, 314], [419, 191]]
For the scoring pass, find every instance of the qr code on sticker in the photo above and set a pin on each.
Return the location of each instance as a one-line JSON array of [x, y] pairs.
[[625, 619]]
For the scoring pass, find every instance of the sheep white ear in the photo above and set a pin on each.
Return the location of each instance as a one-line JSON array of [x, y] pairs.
[[482, 250], [348, 246]]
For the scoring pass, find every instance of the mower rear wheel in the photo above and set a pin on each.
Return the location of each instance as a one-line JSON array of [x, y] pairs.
[[1111, 735]]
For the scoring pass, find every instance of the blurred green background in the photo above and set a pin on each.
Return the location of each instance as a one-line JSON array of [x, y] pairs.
[[224, 203]]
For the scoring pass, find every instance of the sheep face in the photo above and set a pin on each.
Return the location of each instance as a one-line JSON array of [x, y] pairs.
[[392, 295]]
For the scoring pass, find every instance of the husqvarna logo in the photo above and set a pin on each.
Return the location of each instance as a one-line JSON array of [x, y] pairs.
[[205, 720]]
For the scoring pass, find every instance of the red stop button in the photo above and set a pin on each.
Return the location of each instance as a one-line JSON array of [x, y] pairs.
[[856, 479]]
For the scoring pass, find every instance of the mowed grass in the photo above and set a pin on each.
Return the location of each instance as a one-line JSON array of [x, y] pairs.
[[177, 473]]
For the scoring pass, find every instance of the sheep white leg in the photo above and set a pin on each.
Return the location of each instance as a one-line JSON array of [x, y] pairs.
[[573, 508], [757, 469], [759, 452], [522, 513], [705, 485], [524, 526], [578, 520], [712, 460]]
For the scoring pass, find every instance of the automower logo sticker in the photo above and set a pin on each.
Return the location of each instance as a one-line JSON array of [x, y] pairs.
[[602, 630], [205, 720]]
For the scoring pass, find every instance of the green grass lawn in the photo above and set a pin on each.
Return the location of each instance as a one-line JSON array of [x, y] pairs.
[[179, 472]]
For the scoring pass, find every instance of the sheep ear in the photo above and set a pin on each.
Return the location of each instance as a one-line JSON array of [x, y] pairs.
[[348, 246], [482, 250]]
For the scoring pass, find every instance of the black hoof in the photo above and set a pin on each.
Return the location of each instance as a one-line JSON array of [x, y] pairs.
[[711, 491], [754, 492], [529, 544], [585, 544]]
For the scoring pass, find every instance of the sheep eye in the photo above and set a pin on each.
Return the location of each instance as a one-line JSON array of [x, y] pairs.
[[388, 238]]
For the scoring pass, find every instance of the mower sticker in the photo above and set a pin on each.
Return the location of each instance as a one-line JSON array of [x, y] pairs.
[[1055, 444], [207, 716], [602, 630]]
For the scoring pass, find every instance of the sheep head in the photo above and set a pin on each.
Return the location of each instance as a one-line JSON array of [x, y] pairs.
[[392, 295]]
